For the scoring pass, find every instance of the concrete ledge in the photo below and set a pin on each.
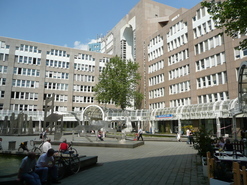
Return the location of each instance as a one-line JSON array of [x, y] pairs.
[[117, 144]]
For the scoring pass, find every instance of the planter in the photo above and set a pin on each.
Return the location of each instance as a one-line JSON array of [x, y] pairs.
[[204, 167], [219, 182]]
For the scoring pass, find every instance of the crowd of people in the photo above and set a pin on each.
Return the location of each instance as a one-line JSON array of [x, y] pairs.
[[37, 172]]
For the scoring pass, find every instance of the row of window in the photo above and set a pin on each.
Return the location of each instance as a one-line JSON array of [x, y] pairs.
[[156, 79], [101, 68], [208, 44], [57, 75], [83, 88], [2, 94], [156, 66], [200, 13], [123, 49], [3, 45], [22, 107], [25, 83], [207, 98], [177, 42], [83, 99], [178, 57], [179, 72], [57, 64], [27, 60], [26, 72], [56, 86], [203, 28], [240, 53], [24, 95], [58, 97], [179, 87], [211, 61], [83, 78], [56, 52], [28, 48], [156, 53], [84, 67], [211, 80], [154, 41], [4, 56], [84, 57], [104, 60], [79, 109], [180, 102], [158, 105], [176, 28], [2, 81], [3, 69], [157, 93]]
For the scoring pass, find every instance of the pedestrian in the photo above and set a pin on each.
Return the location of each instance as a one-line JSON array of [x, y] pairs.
[[43, 135], [100, 135], [140, 134], [47, 145], [242, 133], [178, 137], [27, 170], [46, 167], [191, 139], [188, 135]]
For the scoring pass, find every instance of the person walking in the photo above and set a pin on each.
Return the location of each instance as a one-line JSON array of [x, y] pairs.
[[27, 170], [140, 134], [188, 135], [178, 137]]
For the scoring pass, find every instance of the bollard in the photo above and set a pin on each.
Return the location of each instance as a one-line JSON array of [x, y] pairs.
[[12, 145], [1, 143]]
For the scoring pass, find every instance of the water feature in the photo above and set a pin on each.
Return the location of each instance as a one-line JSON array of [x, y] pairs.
[[9, 166]]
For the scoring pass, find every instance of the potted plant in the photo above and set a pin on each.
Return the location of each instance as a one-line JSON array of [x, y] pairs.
[[203, 143]]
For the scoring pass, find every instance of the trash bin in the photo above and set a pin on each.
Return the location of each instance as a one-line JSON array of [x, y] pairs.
[[12, 145]]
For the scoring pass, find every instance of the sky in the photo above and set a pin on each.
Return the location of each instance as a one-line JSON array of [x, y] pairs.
[[69, 23]]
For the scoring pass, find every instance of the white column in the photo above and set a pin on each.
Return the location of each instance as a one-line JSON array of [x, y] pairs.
[[218, 127]]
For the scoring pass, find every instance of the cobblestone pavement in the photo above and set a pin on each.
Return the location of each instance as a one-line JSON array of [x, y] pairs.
[[154, 163]]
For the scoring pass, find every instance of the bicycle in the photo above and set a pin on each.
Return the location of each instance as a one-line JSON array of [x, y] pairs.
[[67, 162], [74, 151], [36, 149], [23, 147]]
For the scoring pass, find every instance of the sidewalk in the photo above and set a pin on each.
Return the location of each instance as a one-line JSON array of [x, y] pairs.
[[154, 163]]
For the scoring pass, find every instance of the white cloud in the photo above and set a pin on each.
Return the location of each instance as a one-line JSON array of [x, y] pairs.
[[79, 45]]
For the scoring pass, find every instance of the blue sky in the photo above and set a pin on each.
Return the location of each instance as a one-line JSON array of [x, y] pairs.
[[71, 23]]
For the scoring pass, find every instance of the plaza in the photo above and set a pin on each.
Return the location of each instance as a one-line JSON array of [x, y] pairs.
[[162, 161]]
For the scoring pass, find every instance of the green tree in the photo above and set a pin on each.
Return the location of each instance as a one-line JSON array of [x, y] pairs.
[[231, 15], [118, 83]]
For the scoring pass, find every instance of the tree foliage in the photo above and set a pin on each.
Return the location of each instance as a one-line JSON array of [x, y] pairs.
[[231, 15], [118, 82]]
